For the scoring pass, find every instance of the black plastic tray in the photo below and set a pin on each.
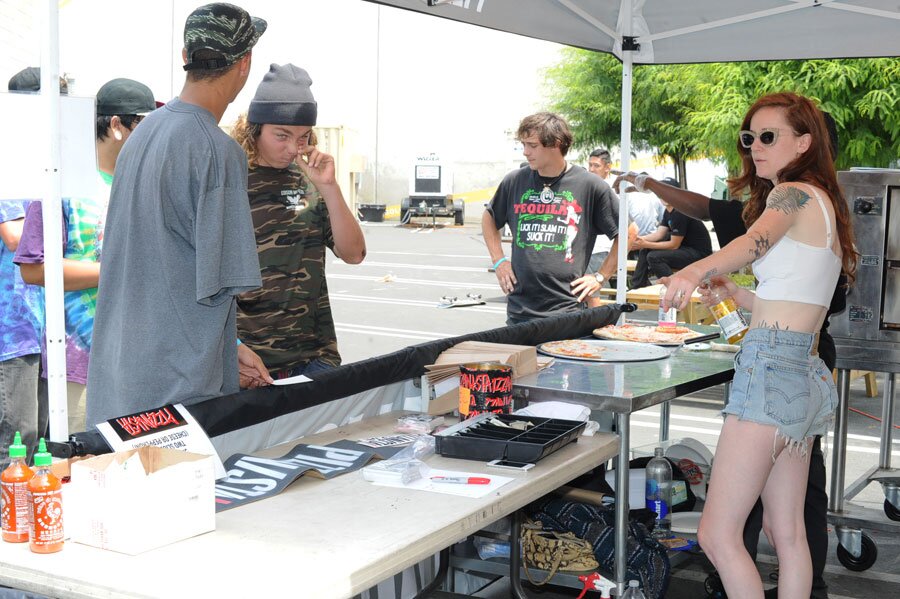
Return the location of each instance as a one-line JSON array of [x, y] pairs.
[[476, 439]]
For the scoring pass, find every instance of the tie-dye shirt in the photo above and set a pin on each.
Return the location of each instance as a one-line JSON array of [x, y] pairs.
[[83, 221], [21, 305]]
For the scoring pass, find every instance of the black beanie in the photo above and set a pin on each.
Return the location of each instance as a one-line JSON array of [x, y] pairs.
[[284, 98]]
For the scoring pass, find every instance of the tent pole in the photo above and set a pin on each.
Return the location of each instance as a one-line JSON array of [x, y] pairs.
[[621, 532], [55, 328]]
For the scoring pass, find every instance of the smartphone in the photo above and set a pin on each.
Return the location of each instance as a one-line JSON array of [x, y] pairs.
[[509, 465]]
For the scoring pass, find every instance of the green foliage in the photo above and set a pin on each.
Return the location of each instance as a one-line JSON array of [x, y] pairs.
[[693, 111]]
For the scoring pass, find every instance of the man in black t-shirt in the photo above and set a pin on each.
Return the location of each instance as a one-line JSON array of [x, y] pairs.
[[678, 241], [555, 211], [728, 225]]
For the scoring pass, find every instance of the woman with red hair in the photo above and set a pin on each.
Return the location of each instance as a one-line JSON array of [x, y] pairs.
[[799, 240]]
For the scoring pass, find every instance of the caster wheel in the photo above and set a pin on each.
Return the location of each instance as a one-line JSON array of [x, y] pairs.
[[891, 512], [867, 555]]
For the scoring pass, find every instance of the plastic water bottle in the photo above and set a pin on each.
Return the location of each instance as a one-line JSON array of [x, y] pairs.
[[667, 318], [633, 591], [659, 493]]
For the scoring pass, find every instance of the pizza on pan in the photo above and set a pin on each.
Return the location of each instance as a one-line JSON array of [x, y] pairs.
[[646, 334], [574, 348]]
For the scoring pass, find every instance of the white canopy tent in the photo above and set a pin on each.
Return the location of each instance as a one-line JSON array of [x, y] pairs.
[[687, 31]]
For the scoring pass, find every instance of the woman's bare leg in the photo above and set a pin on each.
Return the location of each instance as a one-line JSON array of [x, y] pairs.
[[783, 499], [740, 469]]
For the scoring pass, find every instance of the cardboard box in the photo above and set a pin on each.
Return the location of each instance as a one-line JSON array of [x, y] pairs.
[[441, 383], [138, 500]]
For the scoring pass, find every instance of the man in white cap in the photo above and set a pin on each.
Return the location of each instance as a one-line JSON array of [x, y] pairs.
[[180, 239]]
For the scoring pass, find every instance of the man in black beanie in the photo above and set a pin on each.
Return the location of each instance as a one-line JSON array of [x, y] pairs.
[[298, 210], [179, 240]]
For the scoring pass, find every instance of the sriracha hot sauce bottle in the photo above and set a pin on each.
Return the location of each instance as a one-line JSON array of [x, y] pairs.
[[46, 505], [14, 481]]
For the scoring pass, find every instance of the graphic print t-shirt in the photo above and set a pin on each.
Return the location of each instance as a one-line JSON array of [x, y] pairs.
[[554, 230]]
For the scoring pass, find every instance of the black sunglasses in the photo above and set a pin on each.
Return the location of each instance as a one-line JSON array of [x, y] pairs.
[[767, 137]]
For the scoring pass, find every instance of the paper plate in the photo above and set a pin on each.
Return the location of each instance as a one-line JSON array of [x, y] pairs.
[[695, 459], [686, 522]]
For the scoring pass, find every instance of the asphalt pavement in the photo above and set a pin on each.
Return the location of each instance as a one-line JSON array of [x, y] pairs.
[[392, 300]]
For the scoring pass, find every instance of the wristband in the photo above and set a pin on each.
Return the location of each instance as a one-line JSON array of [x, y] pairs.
[[499, 262]]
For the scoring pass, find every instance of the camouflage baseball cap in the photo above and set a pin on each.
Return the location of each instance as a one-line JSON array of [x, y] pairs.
[[222, 28]]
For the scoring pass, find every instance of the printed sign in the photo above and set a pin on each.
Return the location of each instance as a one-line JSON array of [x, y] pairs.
[[170, 426], [250, 478]]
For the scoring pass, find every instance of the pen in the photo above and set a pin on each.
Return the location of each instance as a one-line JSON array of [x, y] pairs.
[[461, 480]]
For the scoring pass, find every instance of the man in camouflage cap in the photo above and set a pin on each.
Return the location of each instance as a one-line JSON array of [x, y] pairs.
[[218, 35], [179, 240]]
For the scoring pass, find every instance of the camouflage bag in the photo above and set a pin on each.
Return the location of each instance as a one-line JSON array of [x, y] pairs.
[[554, 551]]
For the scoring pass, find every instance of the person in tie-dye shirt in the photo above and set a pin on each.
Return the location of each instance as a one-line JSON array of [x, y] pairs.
[[121, 104], [21, 326]]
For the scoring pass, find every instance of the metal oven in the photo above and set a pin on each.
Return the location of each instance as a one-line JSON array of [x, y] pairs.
[[867, 333], [867, 336]]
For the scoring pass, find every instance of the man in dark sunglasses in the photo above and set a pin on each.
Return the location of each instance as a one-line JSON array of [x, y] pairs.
[[728, 223]]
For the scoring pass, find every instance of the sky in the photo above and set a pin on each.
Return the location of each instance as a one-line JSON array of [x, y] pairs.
[[411, 83]]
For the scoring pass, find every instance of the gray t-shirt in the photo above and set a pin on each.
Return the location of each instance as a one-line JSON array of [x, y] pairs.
[[554, 225], [179, 246]]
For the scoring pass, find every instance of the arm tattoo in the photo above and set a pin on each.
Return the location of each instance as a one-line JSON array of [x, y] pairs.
[[787, 199], [765, 325], [709, 273], [762, 245]]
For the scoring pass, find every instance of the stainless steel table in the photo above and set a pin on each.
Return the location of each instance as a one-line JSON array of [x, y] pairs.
[[623, 388]]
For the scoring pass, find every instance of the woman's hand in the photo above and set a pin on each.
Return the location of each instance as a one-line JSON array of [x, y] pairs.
[[679, 288], [724, 286]]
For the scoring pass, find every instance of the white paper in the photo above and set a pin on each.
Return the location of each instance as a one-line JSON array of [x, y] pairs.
[[464, 490], [190, 437], [300, 378], [446, 385]]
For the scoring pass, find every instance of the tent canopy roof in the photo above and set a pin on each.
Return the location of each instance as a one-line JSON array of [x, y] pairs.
[[691, 31]]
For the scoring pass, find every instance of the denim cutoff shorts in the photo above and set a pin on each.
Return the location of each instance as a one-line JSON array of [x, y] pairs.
[[781, 382]]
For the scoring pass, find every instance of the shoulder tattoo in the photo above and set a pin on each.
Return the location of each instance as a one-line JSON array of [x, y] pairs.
[[787, 199]]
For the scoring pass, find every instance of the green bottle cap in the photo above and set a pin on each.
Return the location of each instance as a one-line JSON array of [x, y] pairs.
[[42, 457], [17, 450]]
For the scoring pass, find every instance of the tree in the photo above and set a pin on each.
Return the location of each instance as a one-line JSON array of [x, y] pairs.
[[863, 96], [587, 90], [695, 111]]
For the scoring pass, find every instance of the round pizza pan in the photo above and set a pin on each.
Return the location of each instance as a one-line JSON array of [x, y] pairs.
[[613, 351]]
